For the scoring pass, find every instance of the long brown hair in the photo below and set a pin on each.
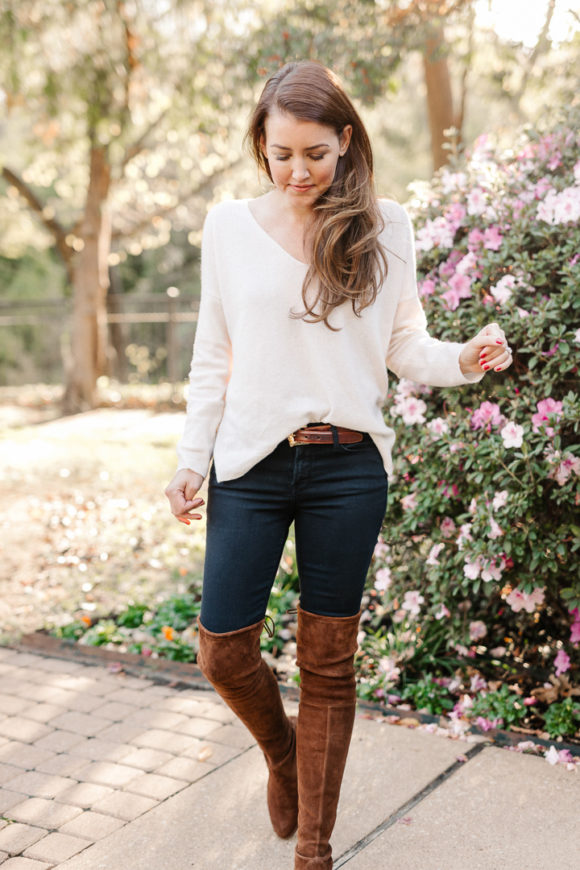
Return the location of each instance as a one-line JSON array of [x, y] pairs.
[[346, 257]]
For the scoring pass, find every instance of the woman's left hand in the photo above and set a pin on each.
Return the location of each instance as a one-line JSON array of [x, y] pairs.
[[487, 350]]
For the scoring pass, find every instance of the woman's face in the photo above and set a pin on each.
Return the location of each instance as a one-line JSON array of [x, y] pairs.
[[302, 155]]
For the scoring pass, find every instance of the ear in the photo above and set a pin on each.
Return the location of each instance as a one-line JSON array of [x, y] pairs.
[[344, 139]]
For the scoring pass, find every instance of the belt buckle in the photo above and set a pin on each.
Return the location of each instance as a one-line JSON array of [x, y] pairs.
[[292, 441]]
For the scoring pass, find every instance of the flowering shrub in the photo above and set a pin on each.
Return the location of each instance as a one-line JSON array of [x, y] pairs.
[[480, 545]]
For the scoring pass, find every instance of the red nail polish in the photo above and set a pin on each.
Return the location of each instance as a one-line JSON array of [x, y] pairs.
[[485, 368], [497, 341]]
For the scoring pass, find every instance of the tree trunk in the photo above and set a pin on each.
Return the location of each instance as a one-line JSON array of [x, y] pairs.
[[439, 94], [90, 285]]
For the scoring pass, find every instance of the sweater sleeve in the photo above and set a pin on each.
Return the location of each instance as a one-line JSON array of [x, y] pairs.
[[412, 352], [210, 366]]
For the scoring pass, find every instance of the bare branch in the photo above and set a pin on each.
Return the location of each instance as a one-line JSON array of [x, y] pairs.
[[54, 227], [200, 190], [460, 116], [540, 47], [133, 150]]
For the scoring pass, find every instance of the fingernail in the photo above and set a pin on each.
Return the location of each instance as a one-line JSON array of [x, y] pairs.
[[485, 368], [497, 369], [497, 341], [482, 357]]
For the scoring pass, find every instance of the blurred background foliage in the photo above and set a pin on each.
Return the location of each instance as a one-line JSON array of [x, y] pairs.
[[122, 122]]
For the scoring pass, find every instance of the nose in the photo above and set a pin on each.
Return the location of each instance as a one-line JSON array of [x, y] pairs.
[[299, 170]]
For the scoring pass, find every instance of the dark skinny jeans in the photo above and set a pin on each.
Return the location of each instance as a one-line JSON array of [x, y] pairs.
[[335, 494]]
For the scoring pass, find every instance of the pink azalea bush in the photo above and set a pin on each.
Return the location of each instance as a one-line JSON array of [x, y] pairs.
[[481, 537]]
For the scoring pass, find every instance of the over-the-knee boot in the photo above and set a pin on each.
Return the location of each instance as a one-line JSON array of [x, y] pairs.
[[233, 664], [325, 653]]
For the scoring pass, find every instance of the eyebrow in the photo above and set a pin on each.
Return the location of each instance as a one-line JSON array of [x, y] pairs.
[[310, 147]]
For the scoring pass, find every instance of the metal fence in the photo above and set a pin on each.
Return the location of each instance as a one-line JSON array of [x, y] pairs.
[[150, 337]]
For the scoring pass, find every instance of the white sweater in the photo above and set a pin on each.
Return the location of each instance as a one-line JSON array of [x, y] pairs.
[[257, 374]]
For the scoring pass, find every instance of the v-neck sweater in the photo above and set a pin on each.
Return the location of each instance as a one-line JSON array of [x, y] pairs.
[[258, 374]]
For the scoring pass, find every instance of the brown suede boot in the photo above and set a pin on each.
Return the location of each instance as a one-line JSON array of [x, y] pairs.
[[233, 664], [326, 648]]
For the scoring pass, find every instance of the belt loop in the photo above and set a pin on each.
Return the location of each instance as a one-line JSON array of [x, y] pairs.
[[335, 440]]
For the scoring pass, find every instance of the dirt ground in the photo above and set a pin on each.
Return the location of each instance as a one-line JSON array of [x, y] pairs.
[[84, 524]]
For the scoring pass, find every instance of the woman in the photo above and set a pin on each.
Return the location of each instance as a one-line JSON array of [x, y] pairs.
[[307, 292]]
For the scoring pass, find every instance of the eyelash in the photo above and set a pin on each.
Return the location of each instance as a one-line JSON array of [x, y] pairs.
[[312, 157]]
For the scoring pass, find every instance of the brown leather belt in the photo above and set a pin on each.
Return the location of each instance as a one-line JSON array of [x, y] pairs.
[[322, 434]]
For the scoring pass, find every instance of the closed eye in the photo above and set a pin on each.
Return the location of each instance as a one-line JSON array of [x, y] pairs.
[[284, 157]]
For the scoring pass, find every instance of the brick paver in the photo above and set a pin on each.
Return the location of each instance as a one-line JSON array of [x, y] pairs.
[[84, 752], [165, 740], [26, 730], [56, 848], [43, 813], [125, 805], [9, 799], [40, 784], [155, 786], [184, 768], [105, 773], [24, 755], [84, 794], [59, 741], [21, 863], [147, 759], [17, 837], [92, 825]]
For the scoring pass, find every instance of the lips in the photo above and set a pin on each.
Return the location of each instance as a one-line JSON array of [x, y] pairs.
[[301, 187]]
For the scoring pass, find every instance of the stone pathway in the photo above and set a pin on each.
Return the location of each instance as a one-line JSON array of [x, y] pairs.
[[100, 770], [83, 751]]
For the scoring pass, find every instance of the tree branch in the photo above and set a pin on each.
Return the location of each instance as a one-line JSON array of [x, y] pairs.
[[200, 190], [54, 227], [133, 150], [460, 116], [539, 48]]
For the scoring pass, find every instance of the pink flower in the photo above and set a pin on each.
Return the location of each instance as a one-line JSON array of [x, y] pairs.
[[575, 628], [455, 213], [569, 465], [461, 284], [500, 499], [477, 682], [467, 264], [442, 612], [474, 239], [477, 630], [412, 602], [437, 427], [388, 667], [427, 287], [512, 435], [381, 549], [464, 535], [488, 724], [492, 239], [434, 553], [411, 409], [519, 600], [561, 662], [546, 408], [383, 579], [502, 291], [487, 414], [577, 336], [399, 616], [476, 201], [408, 502], [447, 527], [472, 570], [496, 531], [491, 570]]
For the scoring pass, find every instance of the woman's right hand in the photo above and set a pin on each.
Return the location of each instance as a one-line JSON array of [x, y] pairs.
[[181, 491]]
